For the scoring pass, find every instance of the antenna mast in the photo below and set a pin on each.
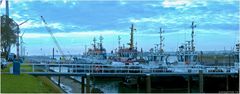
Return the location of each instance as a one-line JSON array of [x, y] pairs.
[[192, 42], [7, 8], [119, 42], [94, 43], [161, 40], [101, 38], [131, 39]]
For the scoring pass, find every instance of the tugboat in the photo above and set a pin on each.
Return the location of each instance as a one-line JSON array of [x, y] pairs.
[[158, 55], [128, 56], [186, 56], [97, 51], [97, 54]]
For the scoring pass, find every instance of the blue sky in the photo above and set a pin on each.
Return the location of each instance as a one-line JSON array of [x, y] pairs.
[[75, 23]]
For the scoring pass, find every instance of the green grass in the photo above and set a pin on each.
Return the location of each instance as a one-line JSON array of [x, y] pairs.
[[26, 68], [23, 68], [25, 83], [7, 68]]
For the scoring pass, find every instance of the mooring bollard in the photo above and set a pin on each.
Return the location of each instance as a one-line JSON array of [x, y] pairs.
[[88, 83], [59, 80], [83, 81], [148, 83], [189, 81]]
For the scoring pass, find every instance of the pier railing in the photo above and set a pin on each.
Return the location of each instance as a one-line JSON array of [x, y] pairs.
[[125, 69]]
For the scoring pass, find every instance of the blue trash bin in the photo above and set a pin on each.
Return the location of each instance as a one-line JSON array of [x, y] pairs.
[[16, 67]]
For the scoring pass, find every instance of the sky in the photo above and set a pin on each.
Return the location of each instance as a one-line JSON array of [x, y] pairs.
[[75, 23]]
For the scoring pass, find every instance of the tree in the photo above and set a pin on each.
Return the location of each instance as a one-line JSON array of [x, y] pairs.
[[9, 30]]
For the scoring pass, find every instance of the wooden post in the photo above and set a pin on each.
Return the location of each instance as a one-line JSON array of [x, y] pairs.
[[239, 70], [227, 83], [33, 68], [201, 81], [82, 84], [189, 84], [53, 53], [88, 83], [138, 81], [148, 83], [59, 80]]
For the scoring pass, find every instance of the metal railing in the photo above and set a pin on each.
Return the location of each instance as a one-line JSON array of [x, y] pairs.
[[126, 69]]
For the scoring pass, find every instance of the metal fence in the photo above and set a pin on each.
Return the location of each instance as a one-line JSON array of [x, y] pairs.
[[125, 69]]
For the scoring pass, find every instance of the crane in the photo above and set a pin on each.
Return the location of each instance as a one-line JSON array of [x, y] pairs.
[[53, 37]]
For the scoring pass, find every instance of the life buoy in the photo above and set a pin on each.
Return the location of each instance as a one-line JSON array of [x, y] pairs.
[[97, 68]]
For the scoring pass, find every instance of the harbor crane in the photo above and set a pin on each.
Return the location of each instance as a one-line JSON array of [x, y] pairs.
[[53, 37]]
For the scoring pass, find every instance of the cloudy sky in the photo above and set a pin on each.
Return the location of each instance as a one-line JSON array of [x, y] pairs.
[[75, 23]]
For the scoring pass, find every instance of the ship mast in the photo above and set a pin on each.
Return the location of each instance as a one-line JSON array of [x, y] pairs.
[[161, 40], [156, 48], [94, 43], [192, 42], [131, 39], [119, 42], [136, 45], [7, 8], [101, 38]]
